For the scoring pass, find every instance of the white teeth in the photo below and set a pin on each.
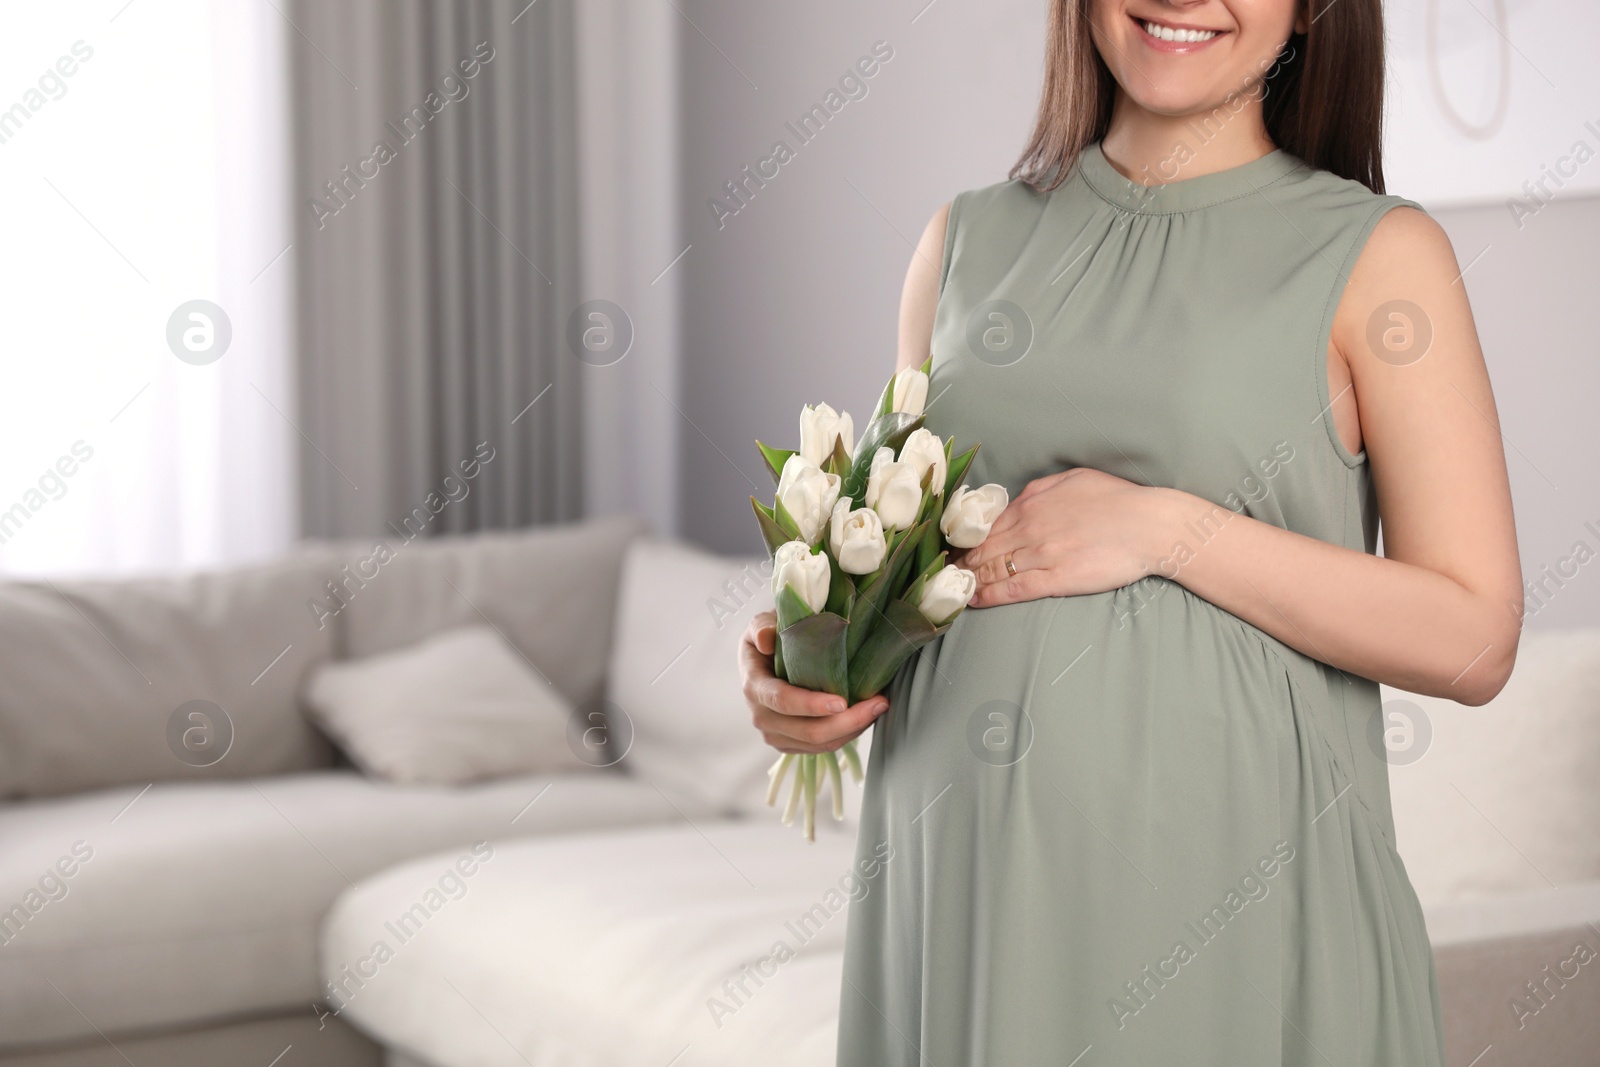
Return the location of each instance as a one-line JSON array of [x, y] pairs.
[[1168, 33]]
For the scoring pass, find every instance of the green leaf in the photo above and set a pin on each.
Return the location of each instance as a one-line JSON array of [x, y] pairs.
[[927, 365], [958, 470], [774, 458], [771, 533], [928, 547], [901, 565], [904, 630], [882, 584], [790, 607], [914, 593], [813, 653], [890, 429], [839, 461], [841, 590], [785, 521], [885, 400], [931, 505]]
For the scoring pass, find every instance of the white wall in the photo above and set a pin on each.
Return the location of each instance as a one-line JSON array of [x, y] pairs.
[[1534, 296], [1488, 100], [794, 299]]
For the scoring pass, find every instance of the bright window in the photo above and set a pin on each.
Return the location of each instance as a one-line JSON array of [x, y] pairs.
[[142, 154]]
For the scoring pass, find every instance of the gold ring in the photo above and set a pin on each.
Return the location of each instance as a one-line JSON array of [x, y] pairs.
[[1011, 567]]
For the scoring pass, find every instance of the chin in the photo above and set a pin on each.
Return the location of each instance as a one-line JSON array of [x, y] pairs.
[[1176, 97]]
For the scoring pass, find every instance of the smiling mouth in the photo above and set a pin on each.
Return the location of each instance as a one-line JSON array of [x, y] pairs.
[[1175, 38]]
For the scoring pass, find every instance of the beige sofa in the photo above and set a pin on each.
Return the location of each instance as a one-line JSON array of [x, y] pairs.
[[1497, 814], [162, 877]]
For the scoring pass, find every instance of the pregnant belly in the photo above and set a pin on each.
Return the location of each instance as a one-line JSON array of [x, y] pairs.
[[1145, 717], [1150, 662]]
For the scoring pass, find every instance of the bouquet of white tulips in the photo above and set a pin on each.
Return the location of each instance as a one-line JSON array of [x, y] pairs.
[[858, 589]]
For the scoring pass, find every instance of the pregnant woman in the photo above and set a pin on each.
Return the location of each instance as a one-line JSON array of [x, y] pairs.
[[1135, 803]]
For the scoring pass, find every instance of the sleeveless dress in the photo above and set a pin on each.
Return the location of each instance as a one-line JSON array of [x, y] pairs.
[[1131, 828]]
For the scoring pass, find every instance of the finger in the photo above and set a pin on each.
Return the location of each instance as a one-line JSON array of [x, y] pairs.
[[763, 688], [813, 734], [1026, 585], [784, 744], [1039, 485], [988, 560], [762, 632], [974, 557], [754, 664], [1009, 516], [818, 734], [757, 645], [778, 695]]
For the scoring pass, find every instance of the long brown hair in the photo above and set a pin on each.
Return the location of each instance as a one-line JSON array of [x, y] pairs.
[[1324, 96]]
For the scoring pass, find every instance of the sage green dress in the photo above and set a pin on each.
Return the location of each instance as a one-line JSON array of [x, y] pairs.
[[1131, 828]]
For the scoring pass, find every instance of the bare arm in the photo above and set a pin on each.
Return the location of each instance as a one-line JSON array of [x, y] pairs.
[[1440, 612], [798, 720], [921, 292]]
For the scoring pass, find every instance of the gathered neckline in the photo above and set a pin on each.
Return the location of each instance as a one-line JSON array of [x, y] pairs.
[[1185, 194]]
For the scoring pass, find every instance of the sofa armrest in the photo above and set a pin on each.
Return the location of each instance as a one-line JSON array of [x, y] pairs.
[[1521, 973]]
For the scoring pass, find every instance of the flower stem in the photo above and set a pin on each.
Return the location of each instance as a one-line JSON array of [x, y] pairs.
[[854, 761], [836, 781], [810, 775], [794, 794], [779, 769]]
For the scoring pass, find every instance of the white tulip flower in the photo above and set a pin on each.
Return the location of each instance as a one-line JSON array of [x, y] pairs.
[[856, 537], [894, 490], [909, 392], [807, 573], [819, 427], [807, 494], [923, 450], [947, 593], [971, 512]]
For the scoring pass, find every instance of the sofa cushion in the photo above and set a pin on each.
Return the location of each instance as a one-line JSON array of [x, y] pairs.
[[1502, 798], [460, 706], [675, 677], [190, 902], [549, 591], [111, 682], [618, 948]]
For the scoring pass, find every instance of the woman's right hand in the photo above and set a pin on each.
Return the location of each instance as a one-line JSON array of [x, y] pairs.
[[792, 719]]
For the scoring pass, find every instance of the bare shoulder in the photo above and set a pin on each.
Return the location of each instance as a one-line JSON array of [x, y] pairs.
[[937, 225], [1406, 242], [1407, 273], [928, 263]]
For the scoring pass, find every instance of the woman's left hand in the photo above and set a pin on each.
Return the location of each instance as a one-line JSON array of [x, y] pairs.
[[1077, 531]]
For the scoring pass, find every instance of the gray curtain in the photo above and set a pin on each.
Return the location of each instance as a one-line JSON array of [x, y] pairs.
[[438, 258]]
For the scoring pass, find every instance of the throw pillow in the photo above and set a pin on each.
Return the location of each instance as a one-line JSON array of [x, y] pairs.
[[460, 706]]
